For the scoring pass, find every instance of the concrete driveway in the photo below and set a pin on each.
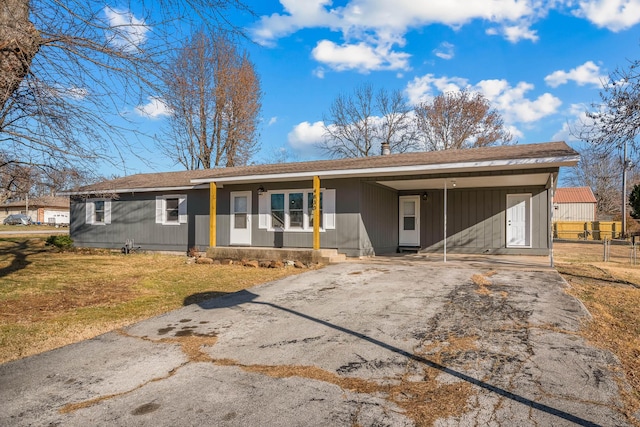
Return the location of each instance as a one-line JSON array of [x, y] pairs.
[[393, 343]]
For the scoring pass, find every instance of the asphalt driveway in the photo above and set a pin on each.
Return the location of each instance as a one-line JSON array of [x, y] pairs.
[[356, 344]]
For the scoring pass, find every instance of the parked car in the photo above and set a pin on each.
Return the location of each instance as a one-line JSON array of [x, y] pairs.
[[17, 219]]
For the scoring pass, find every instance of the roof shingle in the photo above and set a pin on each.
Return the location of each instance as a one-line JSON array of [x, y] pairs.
[[183, 179]]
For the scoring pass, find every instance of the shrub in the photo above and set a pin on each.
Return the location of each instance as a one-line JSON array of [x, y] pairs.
[[61, 241]]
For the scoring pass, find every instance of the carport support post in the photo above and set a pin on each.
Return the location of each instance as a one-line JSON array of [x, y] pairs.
[[551, 195], [445, 220], [316, 212], [212, 214]]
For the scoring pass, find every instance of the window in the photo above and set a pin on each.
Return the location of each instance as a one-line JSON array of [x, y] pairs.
[[171, 210], [292, 210], [296, 211], [98, 211], [240, 212], [277, 211]]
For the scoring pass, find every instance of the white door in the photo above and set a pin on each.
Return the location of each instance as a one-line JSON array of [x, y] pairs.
[[409, 221], [240, 218], [519, 220]]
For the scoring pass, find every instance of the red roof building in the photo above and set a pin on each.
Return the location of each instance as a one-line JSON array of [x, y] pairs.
[[574, 204]]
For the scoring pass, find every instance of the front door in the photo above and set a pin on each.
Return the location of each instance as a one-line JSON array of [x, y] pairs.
[[409, 221], [240, 218], [518, 220]]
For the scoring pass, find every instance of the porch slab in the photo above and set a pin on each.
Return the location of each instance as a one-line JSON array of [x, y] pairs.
[[305, 255]]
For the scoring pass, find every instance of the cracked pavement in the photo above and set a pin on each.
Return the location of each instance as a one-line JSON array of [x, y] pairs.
[[392, 343]]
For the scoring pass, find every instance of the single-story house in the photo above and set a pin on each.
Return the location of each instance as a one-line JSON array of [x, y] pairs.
[[574, 204], [494, 200], [45, 210]]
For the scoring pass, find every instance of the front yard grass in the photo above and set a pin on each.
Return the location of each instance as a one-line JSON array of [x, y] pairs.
[[611, 293], [49, 298]]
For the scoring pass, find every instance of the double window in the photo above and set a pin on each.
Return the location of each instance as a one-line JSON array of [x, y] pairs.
[[98, 211], [292, 210], [171, 209]]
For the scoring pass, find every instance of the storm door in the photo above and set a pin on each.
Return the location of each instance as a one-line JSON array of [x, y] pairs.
[[240, 218], [409, 221]]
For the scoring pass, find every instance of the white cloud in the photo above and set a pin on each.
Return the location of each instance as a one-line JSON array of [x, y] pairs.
[[445, 51], [615, 15], [319, 72], [361, 57], [272, 121], [306, 135], [510, 101], [424, 88], [154, 109], [298, 15], [576, 119], [585, 74], [515, 33], [375, 29], [125, 30]]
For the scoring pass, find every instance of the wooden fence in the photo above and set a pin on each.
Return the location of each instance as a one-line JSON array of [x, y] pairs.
[[587, 230]]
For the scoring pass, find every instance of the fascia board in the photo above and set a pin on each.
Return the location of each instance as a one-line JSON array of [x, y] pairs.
[[399, 170], [133, 190]]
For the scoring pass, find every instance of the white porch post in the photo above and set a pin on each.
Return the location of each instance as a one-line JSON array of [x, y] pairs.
[[551, 194], [445, 220]]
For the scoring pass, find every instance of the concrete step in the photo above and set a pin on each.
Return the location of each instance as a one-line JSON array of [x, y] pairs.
[[336, 259], [330, 256]]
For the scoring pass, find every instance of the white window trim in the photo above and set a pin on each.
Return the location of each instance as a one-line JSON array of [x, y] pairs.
[[328, 211], [90, 211], [161, 209]]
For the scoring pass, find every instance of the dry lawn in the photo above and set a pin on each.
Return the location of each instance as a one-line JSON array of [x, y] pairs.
[[611, 293], [49, 299]]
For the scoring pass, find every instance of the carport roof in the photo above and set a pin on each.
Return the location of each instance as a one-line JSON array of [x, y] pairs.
[[510, 157]]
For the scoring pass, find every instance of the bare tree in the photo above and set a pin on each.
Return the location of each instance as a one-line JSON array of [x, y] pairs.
[[213, 93], [15, 179], [358, 123], [616, 119], [18, 180], [599, 170], [67, 68], [459, 120]]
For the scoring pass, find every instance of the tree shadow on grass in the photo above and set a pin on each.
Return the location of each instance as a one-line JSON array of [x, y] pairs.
[[18, 253]]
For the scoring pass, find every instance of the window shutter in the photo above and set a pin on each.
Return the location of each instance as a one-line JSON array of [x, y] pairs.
[[182, 209], [107, 211], [329, 209], [264, 210], [90, 211], [159, 209]]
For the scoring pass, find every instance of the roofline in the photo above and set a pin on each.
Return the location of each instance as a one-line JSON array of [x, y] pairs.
[[134, 190], [394, 170]]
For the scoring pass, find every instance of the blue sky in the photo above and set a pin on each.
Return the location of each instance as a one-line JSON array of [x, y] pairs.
[[540, 63]]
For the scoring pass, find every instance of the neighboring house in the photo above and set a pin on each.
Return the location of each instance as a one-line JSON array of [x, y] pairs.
[[494, 200], [574, 204], [46, 210]]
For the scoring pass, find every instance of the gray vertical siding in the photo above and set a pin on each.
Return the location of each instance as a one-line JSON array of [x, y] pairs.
[[133, 217], [344, 237], [476, 220], [366, 220], [380, 222]]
